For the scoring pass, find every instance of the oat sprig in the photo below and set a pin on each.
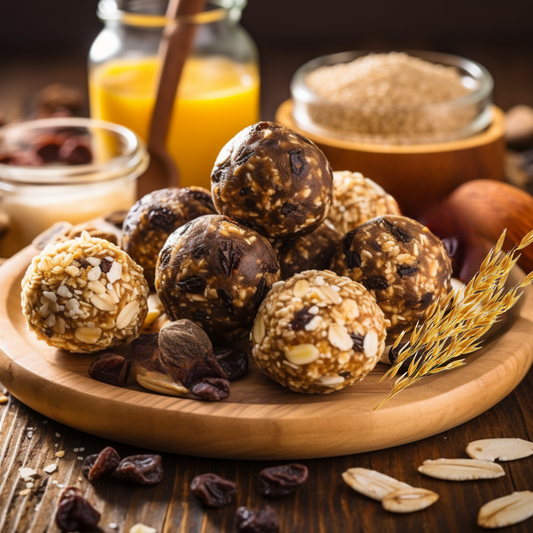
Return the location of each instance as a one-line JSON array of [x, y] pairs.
[[454, 327]]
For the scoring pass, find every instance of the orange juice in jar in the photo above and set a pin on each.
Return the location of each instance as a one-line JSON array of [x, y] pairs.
[[218, 94]]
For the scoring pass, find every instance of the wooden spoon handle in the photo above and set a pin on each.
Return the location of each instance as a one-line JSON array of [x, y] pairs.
[[174, 49]]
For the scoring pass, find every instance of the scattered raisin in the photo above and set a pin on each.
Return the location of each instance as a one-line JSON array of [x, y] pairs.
[[163, 218], [260, 293], [233, 362], [192, 285], [88, 463], [214, 491], [74, 512], [287, 208], [407, 270], [251, 521], [301, 319], [106, 265], [299, 165], [398, 233], [352, 259], [230, 256], [281, 480], [141, 469], [347, 241], [199, 252], [358, 342], [227, 300], [107, 368], [105, 463], [376, 283], [211, 389]]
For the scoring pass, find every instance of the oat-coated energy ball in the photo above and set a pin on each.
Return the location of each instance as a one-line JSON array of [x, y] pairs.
[[308, 252], [216, 273], [84, 295], [274, 180], [401, 263], [155, 216], [318, 332], [357, 199]]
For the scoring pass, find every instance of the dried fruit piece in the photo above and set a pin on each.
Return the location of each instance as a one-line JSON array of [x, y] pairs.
[[74, 512], [233, 362], [281, 480], [214, 491], [102, 465], [499, 449], [461, 469], [506, 511], [408, 500], [107, 368], [373, 484], [141, 469], [252, 521], [211, 389]]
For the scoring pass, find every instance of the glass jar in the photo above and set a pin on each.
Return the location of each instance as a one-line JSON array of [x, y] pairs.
[[35, 197], [219, 89]]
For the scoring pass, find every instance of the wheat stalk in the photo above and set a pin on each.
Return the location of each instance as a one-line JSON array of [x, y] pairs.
[[454, 327]]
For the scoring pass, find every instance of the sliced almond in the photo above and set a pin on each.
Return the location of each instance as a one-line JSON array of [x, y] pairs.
[[373, 484], [409, 500], [506, 511], [302, 354], [499, 449], [88, 335], [339, 337], [461, 469], [300, 288], [258, 332], [127, 314]]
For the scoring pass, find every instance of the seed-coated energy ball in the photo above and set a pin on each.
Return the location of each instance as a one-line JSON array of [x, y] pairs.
[[274, 180], [84, 295], [401, 263], [318, 332], [155, 216], [216, 273], [308, 252], [357, 199]]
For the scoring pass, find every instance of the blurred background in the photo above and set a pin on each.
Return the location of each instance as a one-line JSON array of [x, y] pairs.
[[43, 42]]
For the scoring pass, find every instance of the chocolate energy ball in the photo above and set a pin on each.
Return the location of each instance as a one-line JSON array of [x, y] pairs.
[[401, 263], [274, 180], [308, 252], [216, 273], [357, 199], [155, 216], [318, 332], [84, 295]]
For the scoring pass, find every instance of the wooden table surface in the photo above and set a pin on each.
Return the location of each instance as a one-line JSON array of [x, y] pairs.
[[324, 504]]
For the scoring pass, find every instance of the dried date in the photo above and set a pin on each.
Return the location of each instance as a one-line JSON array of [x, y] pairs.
[[141, 469], [233, 362], [279, 481], [102, 465], [214, 491], [252, 521], [211, 389], [108, 368], [74, 512]]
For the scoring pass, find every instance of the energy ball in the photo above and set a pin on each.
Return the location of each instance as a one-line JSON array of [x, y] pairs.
[[216, 273], [155, 216], [308, 252], [274, 180], [318, 332], [401, 263], [357, 199], [84, 295]]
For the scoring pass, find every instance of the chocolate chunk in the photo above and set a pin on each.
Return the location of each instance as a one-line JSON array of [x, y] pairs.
[[352, 259], [192, 285], [407, 270]]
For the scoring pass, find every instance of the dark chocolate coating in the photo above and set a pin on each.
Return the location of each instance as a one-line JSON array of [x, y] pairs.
[[274, 180], [155, 216], [308, 252], [216, 272]]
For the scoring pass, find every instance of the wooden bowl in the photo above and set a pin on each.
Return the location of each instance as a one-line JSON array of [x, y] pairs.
[[416, 175]]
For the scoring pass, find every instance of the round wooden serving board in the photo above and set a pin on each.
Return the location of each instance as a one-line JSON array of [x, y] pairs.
[[260, 420]]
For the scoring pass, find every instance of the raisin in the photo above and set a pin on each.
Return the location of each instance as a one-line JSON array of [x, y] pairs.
[[214, 491], [358, 342], [141, 469], [106, 265], [281, 480], [227, 300], [352, 259], [233, 362], [199, 252], [301, 319], [407, 270], [200, 315], [376, 283], [230, 256], [398, 233], [347, 241], [192, 285], [252, 521], [260, 293], [162, 218], [83, 263], [299, 165], [287, 208], [88, 463], [211, 389], [426, 299], [107, 368], [74, 512], [103, 466]]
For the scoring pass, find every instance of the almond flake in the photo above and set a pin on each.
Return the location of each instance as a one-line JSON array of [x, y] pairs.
[[27, 473], [409, 500], [302, 354], [88, 335], [373, 484], [103, 302], [339, 337], [499, 449], [461, 469], [258, 332], [300, 288], [115, 272], [506, 511], [370, 344], [127, 314]]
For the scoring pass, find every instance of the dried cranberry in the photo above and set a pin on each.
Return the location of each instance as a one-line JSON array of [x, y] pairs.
[[251, 521], [107, 368], [233, 362], [214, 491], [103, 465], [74, 512], [142, 469], [281, 480]]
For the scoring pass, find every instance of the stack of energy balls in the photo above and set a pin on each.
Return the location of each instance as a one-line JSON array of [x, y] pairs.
[[317, 267]]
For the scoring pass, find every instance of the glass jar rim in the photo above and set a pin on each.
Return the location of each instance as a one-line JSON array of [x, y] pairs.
[[131, 162]]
